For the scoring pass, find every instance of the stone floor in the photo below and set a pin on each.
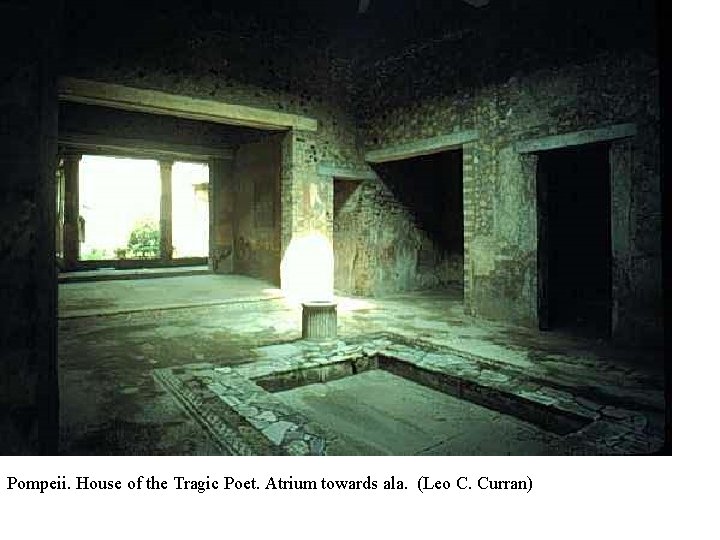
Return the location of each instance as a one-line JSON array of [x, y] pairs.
[[116, 337], [88, 298]]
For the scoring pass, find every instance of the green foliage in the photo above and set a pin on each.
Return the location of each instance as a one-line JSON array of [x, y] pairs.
[[144, 242], [96, 254]]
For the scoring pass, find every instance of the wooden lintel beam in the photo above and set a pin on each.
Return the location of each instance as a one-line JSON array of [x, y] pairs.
[[156, 102], [422, 147], [576, 138], [100, 144], [346, 173]]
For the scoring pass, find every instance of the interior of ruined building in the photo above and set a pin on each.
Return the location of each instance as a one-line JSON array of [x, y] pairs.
[[410, 227]]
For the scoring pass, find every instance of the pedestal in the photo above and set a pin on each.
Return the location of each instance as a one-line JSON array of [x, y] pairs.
[[319, 320]]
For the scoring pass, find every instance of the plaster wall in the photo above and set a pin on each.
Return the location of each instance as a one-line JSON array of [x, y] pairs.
[[257, 212]]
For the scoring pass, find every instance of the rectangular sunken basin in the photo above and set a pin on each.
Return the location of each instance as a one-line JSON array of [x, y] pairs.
[[380, 397], [385, 406]]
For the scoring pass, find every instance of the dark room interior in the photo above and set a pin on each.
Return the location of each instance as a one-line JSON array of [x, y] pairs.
[[399, 227]]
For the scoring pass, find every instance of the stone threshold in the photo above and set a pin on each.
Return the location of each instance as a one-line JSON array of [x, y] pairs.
[[248, 302], [114, 274]]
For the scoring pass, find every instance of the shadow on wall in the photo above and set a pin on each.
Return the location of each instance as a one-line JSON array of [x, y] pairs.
[[404, 232]]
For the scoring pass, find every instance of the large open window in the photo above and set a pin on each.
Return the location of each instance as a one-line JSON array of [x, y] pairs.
[[190, 210], [119, 208], [141, 211]]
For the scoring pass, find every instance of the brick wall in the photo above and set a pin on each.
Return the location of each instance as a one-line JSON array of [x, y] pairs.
[[560, 68], [499, 192]]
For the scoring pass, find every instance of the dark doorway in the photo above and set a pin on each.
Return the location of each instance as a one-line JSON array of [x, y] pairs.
[[574, 245]]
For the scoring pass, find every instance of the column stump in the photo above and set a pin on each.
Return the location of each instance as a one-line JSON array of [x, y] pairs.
[[319, 321]]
